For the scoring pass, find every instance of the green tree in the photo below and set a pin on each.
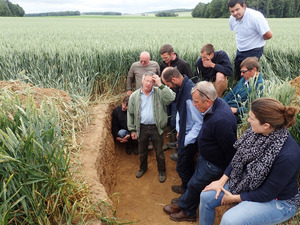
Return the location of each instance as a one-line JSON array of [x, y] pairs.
[[4, 9]]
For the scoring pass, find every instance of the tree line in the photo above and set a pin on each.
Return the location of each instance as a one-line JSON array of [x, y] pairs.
[[270, 8], [9, 9], [64, 13]]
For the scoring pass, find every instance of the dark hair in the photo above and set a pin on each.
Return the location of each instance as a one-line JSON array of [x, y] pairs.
[[208, 48], [166, 49], [125, 100], [232, 3], [250, 63], [170, 72], [273, 112]]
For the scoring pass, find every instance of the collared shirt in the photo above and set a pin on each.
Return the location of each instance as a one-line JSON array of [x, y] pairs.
[[207, 111], [147, 109], [193, 123], [250, 30]]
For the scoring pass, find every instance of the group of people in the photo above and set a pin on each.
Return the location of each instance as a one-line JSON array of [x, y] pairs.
[[258, 172]]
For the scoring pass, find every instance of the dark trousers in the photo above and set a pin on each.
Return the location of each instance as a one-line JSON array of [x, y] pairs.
[[205, 173], [240, 56], [146, 132], [186, 164]]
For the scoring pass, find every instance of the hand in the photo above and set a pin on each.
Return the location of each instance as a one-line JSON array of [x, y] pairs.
[[214, 186], [128, 93], [208, 63], [157, 80], [122, 140], [234, 110], [229, 198], [133, 136]]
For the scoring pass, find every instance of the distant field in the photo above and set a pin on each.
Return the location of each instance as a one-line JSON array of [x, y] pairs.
[[72, 53]]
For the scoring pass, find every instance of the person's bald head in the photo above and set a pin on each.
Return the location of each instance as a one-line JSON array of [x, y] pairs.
[[145, 58]]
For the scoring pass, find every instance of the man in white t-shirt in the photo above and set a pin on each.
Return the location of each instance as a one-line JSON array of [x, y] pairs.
[[251, 29]]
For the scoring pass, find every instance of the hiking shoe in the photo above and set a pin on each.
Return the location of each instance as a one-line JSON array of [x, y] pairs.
[[140, 173], [180, 216], [172, 144], [177, 189], [162, 176], [174, 156]]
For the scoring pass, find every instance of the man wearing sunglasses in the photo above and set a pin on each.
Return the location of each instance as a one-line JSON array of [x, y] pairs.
[[250, 85]]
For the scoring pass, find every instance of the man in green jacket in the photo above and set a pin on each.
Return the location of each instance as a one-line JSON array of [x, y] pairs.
[[147, 117]]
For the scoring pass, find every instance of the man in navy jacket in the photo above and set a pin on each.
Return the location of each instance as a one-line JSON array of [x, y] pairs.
[[215, 145], [188, 125], [214, 66]]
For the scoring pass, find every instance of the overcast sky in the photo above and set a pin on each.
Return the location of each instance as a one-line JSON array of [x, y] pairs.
[[123, 6]]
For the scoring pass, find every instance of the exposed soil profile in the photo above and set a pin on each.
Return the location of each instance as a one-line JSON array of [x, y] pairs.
[[112, 172], [108, 170]]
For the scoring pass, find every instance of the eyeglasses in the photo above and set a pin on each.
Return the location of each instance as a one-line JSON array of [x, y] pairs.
[[195, 88], [245, 71], [143, 61]]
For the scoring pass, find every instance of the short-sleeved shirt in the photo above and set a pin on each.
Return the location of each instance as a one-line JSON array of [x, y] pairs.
[[250, 30]]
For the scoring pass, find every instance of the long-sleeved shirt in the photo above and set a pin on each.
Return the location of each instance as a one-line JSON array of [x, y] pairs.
[[119, 120], [281, 183], [222, 65], [237, 98], [218, 134], [194, 121]]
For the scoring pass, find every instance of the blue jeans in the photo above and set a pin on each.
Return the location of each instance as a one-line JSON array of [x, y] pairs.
[[246, 212], [122, 133], [205, 173]]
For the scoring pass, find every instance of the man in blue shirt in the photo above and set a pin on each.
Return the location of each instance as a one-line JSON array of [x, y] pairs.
[[251, 29]]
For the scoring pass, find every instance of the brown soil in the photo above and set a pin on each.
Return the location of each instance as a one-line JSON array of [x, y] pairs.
[[137, 200], [108, 170]]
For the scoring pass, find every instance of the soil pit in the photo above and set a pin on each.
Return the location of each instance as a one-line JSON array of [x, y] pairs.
[[110, 171]]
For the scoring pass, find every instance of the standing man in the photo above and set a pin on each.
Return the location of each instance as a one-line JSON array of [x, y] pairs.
[[251, 29], [147, 117], [215, 144], [171, 59], [214, 66], [188, 125], [137, 70]]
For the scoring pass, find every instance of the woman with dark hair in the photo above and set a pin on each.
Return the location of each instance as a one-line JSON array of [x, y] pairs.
[[262, 176]]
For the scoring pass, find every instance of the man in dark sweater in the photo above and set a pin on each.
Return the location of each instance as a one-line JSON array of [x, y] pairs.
[[214, 66], [119, 127], [171, 59], [215, 144], [188, 125]]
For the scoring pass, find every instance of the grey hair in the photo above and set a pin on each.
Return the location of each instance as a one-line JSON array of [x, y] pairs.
[[149, 73], [206, 90]]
